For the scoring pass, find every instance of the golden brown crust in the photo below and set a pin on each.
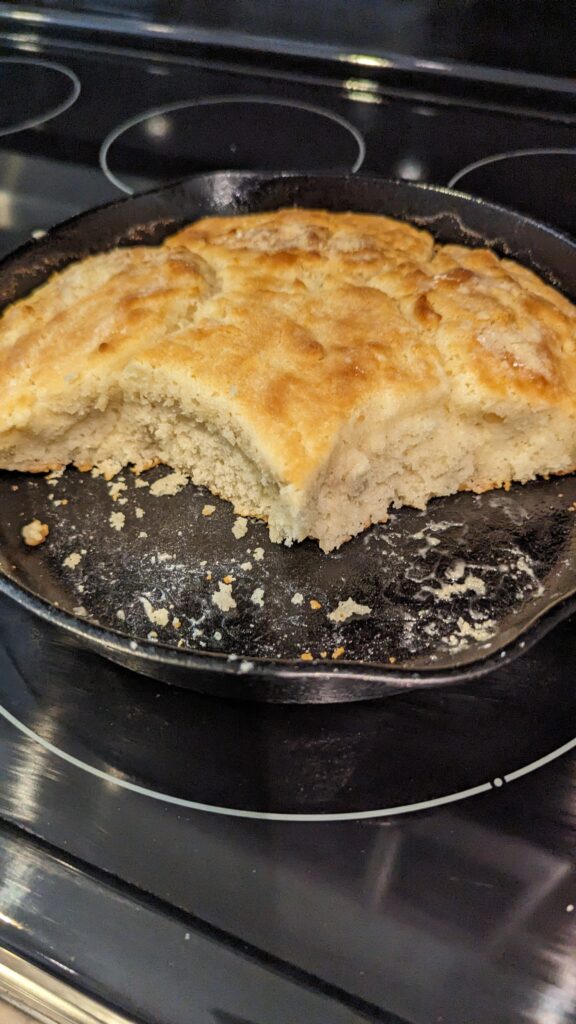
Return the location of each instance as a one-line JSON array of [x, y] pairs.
[[297, 319]]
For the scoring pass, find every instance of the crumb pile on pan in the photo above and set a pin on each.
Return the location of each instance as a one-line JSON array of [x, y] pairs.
[[429, 589], [314, 369]]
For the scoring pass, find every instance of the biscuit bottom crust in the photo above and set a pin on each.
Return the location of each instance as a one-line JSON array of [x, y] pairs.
[[314, 369]]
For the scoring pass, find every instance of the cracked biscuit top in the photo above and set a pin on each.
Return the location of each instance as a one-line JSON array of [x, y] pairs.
[[295, 321]]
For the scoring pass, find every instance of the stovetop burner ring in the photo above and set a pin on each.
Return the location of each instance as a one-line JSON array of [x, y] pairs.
[[116, 778], [235, 812], [53, 111], [214, 101], [515, 178], [512, 154]]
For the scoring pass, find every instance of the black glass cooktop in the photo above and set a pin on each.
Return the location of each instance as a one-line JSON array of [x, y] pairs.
[[531, 36], [191, 860]]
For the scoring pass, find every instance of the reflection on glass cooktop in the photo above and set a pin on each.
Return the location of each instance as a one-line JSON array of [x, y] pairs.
[[308, 850], [103, 122]]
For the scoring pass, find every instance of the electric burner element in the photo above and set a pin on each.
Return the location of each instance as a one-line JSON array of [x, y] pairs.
[[33, 92], [541, 182], [333, 762], [225, 132]]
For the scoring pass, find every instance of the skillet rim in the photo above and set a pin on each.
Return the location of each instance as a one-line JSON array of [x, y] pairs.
[[279, 680]]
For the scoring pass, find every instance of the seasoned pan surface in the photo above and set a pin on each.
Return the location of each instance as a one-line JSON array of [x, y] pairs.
[[206, 601]]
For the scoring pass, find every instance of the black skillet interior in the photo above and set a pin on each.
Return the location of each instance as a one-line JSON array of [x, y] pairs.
[[450, 592]]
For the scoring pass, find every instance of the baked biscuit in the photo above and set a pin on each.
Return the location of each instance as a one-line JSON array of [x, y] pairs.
[[313, 368]]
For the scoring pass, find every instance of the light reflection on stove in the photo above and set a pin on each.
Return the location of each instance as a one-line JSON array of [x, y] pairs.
[[361, 90], [364, 97], [410, 169], [158, 127]]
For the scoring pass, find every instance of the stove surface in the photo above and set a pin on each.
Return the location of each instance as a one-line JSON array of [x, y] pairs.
[[132, 120], [406, 860]]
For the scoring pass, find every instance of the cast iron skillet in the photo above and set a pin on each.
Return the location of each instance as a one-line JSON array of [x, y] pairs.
[[451, 592]]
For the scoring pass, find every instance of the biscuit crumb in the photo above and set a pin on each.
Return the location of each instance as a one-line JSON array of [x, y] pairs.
[[139, 512], [170, 484], [80, 611], [258, 554], [35, 533], [117, 520], [307, 656], [72, 560], [223, 597], [61, 501], [141, 483], [115, 489], [120, 614], [315, 605], [143, 534], [240, 527], [449, 590], [297, 598], [337, 653], [246, 566], [346, 609], [464, 630], [258, 597], [392, 659], [108, 469], [228, 579], [158, 616], [14, 487], [176, 622], [323, 654], [208, 510]]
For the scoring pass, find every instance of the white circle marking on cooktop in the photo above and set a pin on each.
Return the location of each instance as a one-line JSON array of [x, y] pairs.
[[497, 157], [213, 101], [52, 112], [233, 812]]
